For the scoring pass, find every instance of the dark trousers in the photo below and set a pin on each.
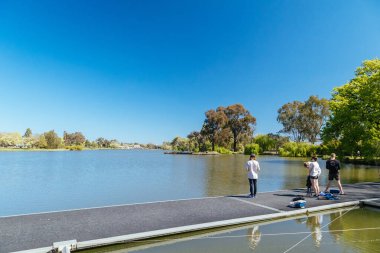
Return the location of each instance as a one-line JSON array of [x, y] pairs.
[[252, 186]]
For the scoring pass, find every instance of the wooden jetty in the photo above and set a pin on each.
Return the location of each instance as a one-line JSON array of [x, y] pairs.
[[93, 227]]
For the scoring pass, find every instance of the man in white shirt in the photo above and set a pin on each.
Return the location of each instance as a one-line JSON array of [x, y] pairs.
[[253, 168]]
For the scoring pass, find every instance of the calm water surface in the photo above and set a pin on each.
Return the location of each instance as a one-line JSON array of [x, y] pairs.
[[48, 181]]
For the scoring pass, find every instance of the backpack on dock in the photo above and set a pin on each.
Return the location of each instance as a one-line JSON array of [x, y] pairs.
[[334, 191], [298, 204]]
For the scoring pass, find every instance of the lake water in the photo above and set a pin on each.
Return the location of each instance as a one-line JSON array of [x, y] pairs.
[[48, 181]]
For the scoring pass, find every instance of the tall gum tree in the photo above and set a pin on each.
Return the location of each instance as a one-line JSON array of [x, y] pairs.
[[304, 120], [289, 115], [315, 113], [213, 125], [239, 121]]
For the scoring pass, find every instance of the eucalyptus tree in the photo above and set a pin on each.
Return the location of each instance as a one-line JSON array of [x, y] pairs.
[[224, 138], [213, 125], [52, 140], [315, 112], [279, 140], [28, 133], [28, 140], [304, 120], [290, 116], [196, 141], [240, 122], [180, 144], [102, 142], [76, 138]]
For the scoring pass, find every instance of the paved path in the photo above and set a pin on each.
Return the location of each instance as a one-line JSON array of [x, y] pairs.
[[95, 226]]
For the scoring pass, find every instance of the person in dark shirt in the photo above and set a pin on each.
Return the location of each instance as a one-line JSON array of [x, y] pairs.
[[333, 165]]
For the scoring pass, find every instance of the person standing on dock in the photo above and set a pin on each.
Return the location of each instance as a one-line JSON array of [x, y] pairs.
[[308, 180], [333, 165], [253, 168], [314, 173]]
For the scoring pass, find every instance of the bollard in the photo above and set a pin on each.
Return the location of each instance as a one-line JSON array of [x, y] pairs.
[[65, 246]]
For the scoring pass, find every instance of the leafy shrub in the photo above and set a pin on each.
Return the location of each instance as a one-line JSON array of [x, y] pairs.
[[75, 147], [298, 149], [252, 148], [223, 150], [180, 144]]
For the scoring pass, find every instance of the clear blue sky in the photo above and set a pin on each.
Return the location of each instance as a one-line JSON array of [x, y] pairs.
[[146, 71]]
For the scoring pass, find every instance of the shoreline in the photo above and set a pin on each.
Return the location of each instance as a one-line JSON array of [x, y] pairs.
[[191, 153], [63, 149], [360, 161], [347, 160]]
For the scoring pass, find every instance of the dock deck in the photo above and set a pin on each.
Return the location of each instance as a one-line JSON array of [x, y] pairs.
[[100, 226]]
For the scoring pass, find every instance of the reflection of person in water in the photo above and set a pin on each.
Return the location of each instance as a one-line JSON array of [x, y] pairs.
[[336, 226], [254, 237], [314, 223], [301, 220]]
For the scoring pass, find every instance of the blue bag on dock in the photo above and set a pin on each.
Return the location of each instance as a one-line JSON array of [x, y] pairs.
[[298, 204], [328, 196]]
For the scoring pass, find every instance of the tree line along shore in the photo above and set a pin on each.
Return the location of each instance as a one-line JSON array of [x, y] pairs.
[[69, 141], [348, 124]]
